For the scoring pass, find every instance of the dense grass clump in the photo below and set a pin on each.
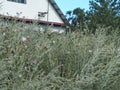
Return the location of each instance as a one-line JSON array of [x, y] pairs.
[[31, 60]]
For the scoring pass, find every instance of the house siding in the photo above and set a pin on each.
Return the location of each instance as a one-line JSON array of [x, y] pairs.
[[30, 10]]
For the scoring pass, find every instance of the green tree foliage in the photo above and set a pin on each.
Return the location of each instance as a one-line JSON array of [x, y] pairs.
[[101, 12], [76, 18], [104, 12]]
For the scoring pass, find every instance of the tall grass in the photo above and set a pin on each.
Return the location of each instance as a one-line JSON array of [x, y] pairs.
[[31, 60]]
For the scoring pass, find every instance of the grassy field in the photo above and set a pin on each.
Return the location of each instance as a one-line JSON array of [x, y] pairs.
[[31, 60]]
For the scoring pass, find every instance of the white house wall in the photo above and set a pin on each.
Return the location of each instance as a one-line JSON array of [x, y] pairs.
[[30, 10]]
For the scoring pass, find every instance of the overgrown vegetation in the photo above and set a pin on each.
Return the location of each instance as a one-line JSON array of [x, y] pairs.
[[86, 59], [31, 60]]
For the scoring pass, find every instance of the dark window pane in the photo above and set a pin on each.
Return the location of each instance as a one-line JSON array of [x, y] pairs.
[[19, 1]]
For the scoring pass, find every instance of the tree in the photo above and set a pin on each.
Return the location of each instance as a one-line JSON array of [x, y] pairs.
[[76, 18], [101, 12], [104, 12]]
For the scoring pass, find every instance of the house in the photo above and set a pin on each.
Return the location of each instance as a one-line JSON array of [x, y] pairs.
[[46, 12]]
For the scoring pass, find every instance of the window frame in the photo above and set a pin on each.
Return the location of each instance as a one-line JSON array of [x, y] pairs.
[[18, 1]]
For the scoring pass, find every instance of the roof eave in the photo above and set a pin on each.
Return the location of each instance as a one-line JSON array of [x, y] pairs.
[[31, 20]]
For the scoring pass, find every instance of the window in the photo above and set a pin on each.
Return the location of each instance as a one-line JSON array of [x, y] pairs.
[[18, 1]]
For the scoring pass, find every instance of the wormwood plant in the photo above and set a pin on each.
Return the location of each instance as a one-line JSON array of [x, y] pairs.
[[31, 60]]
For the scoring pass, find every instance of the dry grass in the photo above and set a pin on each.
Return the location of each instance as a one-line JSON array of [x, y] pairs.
[[30, 60]]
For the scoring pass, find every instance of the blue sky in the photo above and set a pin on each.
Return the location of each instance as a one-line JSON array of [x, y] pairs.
[[66, 5]]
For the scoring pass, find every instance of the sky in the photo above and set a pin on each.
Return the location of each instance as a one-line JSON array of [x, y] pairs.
[[66, 5]]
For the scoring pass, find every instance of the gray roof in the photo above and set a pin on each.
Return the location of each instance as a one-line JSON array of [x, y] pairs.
[[57, 9]]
